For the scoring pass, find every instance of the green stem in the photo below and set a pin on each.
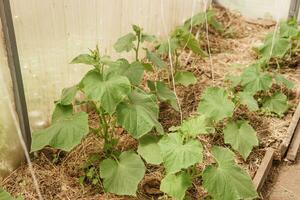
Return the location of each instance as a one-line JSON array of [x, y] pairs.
[[104, 125], [176, 61], [137, 47]]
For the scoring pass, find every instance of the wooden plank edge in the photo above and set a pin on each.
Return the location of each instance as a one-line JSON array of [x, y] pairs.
[[264, 169], [294, 146], [290, 132]]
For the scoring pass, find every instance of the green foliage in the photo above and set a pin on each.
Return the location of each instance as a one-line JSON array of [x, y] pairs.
[[6, 196], [138, 115], [68, 95], [163, 93], [215, 104], [185, 78], [149, 149], [227, 181], [155, 59], [241, 136], [178, 154], [175, 185], [282, 44], [114, 89], [65, 132], [108, 89], [283, 81], [91, 170], [186, 39], [123, 175], [277, 103], [195, 126], [254, 80], [133, 71], [200, 20], [274, 48], [247, 99], [125, 43]]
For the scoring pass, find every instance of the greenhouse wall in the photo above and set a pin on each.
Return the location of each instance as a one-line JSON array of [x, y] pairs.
[[51, 33], [268, 9], [11, 153]]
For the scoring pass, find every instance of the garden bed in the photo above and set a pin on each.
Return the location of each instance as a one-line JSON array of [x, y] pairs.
[[229, 53]]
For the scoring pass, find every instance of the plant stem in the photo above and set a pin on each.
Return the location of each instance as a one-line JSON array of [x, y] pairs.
[[176, 61], [104, 125], [137, 47]]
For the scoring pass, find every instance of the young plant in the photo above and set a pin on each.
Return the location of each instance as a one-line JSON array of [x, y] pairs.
[[112, 89], [282, 45], [255, 89], [181, 152], [151, 63]]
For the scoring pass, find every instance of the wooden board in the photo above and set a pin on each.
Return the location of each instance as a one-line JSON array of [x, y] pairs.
[[294, 146], [290, 132], [264, 169]]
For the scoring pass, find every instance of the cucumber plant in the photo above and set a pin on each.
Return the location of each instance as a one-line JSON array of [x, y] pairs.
[[112, 89], [180, 151], [254, 88], [282, 45]]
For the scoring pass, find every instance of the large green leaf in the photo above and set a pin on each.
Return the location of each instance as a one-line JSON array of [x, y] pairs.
[[66, 131], [289, 29], [123, 176], [155, 59], [185, 78], [227, 181], [215, 104], [178, 155], [149, 149], [139, 114], [187, 39], [234, 80], [279, 47], [6, 196], [277, 103], [254, 80], [125, 43], [195, 126], [68, 95], [134, 71], [241, 136], [108, 89], [176, 185], [283, 81], [247, 99], [163, 93]]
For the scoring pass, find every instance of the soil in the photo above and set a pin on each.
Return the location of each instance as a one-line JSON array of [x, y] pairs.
[[229, 53]]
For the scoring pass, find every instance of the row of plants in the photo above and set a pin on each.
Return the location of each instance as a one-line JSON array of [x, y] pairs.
[[115, 90]]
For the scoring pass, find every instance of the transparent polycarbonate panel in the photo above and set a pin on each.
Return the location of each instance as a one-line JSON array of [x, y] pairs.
[[269, 9], [51, 32], [11, 153]]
